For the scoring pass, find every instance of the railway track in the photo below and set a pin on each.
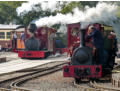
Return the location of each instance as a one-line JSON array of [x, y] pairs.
[[15, 82], [86, 87], [116, 69], [103, 87], [37, 72], [95, 86], [100, 85]]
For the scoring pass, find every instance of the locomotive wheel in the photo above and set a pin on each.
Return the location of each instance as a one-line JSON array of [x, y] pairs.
[[94, 79], [106, 71], [47, 54], [77, 80]]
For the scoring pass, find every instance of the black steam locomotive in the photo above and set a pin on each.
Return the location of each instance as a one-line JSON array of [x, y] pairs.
[[39, 42], [84, 58]]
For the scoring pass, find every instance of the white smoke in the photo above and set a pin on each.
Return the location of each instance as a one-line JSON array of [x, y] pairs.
[[52, 5], [62, 28], [45, 5], [103, 12], [51, 20], [116, 28], [25, 7]]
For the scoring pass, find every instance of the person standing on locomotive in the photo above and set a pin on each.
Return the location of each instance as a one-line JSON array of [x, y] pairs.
[[97, 41], [108, 47], [14, 40], [115, 47]]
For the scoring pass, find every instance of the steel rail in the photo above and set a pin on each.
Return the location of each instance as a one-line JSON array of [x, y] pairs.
[[21, 79]]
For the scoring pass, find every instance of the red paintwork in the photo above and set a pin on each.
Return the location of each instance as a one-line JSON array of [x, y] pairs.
[[13, 50], [72, 43], [5, 43], [72, 39], [93, 72], [31, 54]]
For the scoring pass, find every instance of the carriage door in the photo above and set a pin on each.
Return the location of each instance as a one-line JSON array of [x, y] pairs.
[[73, 36], [51, 36]]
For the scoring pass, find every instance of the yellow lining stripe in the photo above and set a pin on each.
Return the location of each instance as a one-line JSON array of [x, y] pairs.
[[5, 31]]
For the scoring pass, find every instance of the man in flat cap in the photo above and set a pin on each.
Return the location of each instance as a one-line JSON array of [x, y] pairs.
[[97, 41]]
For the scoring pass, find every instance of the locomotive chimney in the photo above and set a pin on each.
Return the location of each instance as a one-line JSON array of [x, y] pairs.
[[82, 37], [32, 27]]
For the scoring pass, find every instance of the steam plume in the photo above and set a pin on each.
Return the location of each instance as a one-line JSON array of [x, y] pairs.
[[45, 5], [103, 12]]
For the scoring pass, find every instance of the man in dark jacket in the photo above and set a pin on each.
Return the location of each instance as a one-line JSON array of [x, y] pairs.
[[97, 41], [14, 40], [115, 48]]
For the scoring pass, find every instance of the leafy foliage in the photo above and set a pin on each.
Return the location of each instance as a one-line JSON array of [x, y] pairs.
[[68, 8], [79, 4], [8, 11]]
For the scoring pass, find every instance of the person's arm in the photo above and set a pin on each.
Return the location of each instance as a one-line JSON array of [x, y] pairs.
[[91, 34], [116, 44]]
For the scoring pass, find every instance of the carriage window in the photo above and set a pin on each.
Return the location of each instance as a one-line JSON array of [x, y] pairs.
[[43, 32], [2, 35], [8, 35], [75, 31]]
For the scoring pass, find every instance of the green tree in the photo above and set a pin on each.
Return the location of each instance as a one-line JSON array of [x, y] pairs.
[[27, 17], [69, 7], [8, 11], [79, 4], [89, 3]]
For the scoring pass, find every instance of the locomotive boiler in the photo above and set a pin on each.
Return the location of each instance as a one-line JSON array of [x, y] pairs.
[[32, 44], [82, 55]]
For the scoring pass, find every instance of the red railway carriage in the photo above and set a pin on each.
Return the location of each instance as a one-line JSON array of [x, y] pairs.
[[80, 65], [6, 35], [45, 37]]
